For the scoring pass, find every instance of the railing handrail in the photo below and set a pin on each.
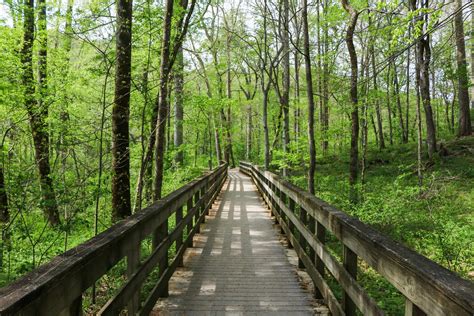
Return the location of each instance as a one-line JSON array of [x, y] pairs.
[[431, 287], [56, 284]]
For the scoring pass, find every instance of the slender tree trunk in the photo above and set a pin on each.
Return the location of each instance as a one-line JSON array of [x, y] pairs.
[[296, 123], [325, 123], [465, 128], [285, 97], [407, 110], [38, 111], [377, 102], [399, 105], [178, 107], [389, 107], [248, 150], [309, 93], [265, 129], [217, 143], [162, 100], [423, 62], [354, 151], [121, 206]]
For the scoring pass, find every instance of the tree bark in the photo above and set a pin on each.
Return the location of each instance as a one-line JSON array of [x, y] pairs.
[[162, 100], [377, 103], [38, 111], [178, 107], [285, 96], [354, 151], [309, 93], [121, 206], [399, 105], [465, 128]]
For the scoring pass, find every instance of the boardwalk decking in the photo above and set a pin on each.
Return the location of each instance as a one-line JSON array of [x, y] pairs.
[[237, 265]]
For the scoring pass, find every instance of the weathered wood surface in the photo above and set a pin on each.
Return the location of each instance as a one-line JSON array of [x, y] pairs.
[[427, 286], [238, 265], [57, 286]]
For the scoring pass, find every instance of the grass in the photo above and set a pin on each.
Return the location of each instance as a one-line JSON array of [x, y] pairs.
[[435, 219]]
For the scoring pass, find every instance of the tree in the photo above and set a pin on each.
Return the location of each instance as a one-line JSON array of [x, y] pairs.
[[354, 150], [423, 57], [178, 107], [121, 206], [168, 56], [285, 95], [309, 92], [465, 128], [38, 110]]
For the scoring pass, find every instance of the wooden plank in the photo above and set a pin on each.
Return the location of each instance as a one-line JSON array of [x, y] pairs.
[[435, 289], [363, 301], [318, 280]]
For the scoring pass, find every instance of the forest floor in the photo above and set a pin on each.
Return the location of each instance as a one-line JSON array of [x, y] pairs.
[[436, 219]]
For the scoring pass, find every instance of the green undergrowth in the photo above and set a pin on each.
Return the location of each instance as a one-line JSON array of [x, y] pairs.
[[436, 219], [35, 243]]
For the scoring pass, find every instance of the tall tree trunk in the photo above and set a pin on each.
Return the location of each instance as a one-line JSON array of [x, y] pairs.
[[217, 143], [178, 107], [162, 100], [248, 147], [309, 93], [465, 128], [389, 106], [168, 56], [377, 102], [423, 62], [121, 206], [265, 129], [325, 122], [296, 123], [38, 111], [285, 96], [399, 105], [354, 151], [407, 110]]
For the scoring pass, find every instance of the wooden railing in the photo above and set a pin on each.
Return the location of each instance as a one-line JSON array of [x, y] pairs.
[[428, 288], [58, 286]]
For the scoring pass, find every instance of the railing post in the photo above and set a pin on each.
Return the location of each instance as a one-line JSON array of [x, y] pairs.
[[412, 310], [350, 264], [189, 206], [160, 234], [303, 243], [179, 240], [198, 211], [291, 207], [202, 208], [133, 262], [321, 236]]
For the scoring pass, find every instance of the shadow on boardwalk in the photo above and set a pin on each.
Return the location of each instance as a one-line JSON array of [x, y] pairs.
[[238, 264]]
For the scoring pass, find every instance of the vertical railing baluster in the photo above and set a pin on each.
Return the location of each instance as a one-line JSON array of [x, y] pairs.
[[291, 206], [189, 206], [202, 208], [302, 240], [350, 264], [160, 235], [179, 240], [196, 215], [133, 262], [321, 236]]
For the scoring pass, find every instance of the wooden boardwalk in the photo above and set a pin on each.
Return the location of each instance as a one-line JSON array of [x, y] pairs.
[[238, 265]]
